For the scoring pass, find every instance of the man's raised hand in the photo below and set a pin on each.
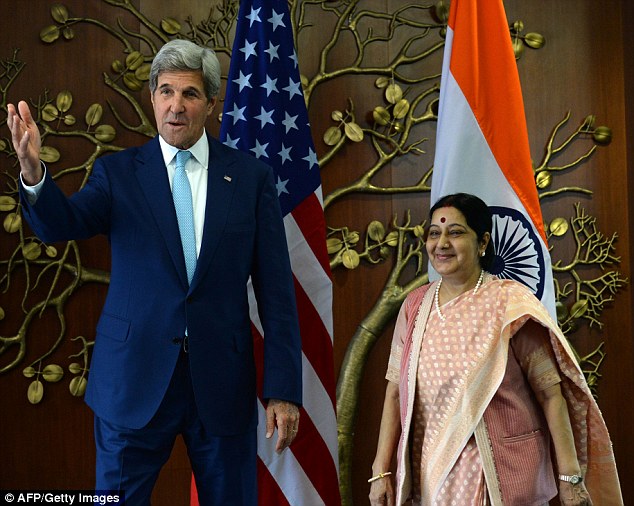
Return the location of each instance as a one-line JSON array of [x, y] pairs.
[[26, 141]]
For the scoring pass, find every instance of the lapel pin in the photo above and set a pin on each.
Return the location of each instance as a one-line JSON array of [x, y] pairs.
[[228, 178]]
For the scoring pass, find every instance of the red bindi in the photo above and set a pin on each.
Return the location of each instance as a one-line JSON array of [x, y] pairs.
[[443, 219]]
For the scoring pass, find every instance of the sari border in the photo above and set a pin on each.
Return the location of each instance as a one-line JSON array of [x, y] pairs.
[[491, 477]]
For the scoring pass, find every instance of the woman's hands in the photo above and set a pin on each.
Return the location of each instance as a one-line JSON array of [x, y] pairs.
[[382, 492], [574, 495]]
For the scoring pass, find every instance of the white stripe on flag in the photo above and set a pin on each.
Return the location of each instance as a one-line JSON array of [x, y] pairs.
[[319, 408], [309, 272]]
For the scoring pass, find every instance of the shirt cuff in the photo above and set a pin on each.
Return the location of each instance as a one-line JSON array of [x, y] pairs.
[[33, 192]]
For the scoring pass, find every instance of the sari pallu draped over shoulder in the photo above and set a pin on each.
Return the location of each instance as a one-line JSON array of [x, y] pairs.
[[495, 312]]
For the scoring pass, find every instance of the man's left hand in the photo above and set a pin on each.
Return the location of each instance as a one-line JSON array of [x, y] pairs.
[[285, 416]]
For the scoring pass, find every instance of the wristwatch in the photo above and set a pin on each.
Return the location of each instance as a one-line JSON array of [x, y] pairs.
[[573, 479]]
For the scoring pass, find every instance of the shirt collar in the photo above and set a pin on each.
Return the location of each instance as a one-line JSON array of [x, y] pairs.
[[200, 151]]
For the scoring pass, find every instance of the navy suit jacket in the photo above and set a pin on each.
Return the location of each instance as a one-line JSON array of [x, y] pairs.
[[149, 303]]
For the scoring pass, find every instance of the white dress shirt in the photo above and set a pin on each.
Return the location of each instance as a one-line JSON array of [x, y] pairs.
[[197, 173]]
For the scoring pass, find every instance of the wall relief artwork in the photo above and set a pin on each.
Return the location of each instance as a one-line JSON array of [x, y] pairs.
[[381, 71]]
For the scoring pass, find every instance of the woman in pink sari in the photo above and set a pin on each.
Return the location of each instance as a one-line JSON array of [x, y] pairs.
[[485, 403]]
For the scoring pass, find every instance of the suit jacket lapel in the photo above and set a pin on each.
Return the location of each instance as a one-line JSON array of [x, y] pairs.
[[152, 175], [222, 179]]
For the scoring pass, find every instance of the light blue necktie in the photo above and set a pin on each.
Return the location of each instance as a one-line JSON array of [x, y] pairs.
[[182, 194]]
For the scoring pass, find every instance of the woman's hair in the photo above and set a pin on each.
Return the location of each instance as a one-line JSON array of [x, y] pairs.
[[478, 217], [182, 55]]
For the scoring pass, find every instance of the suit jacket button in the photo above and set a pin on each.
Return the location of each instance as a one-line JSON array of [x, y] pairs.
[[177, 340]]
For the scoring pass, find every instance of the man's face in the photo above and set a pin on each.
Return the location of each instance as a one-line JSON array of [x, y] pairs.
[[181, 107]]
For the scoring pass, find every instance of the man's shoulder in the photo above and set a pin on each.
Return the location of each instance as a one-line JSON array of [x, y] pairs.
[[131, 153]]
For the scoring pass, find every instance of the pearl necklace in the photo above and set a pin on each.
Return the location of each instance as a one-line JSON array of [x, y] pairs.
[[475, 290]]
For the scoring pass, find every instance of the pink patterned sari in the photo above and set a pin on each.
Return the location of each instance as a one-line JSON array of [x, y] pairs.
[[448, 373]]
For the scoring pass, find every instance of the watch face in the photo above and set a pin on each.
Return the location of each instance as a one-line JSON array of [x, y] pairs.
[[573, 479]]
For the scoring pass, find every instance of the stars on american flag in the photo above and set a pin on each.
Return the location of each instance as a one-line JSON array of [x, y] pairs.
[[238, 114], [289, 122], [243, 81], [272, 51], [285, 153], [270, 86], [276, 20], [259, 150], [249, 49], [311, 159], [253, 15], [281, 186], [265, 110]]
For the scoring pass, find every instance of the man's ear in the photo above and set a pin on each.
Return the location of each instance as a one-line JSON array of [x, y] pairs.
[[211, 105]]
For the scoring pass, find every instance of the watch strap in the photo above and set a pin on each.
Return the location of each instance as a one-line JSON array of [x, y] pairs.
[[574, 478]]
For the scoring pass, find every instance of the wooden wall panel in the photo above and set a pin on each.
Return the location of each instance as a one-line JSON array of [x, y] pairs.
[[585, 68], [49, 445]]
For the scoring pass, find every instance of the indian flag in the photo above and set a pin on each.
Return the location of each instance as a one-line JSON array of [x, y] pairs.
[[482, 141]]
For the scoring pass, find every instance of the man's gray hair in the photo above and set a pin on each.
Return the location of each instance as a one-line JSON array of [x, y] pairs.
[[182, 55]]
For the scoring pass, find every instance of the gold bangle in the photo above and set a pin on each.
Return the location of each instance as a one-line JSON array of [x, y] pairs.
[[379, 476]]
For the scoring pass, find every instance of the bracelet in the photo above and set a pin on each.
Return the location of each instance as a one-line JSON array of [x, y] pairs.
[[379, 476]]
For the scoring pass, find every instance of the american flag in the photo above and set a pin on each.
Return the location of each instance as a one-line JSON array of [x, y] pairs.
[[265, 115]]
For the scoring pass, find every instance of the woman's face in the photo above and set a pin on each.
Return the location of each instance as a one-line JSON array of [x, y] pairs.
[[453, 246]]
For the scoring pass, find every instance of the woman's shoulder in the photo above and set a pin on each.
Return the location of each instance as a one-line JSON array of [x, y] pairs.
[[508, 291], [516, 295], [509, 286], [419, 292], [415, 297]]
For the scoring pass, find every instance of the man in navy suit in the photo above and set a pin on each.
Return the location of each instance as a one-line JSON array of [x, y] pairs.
[[174, 356]]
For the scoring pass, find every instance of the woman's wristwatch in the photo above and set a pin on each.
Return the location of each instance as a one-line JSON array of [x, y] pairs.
[[573, 479]]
